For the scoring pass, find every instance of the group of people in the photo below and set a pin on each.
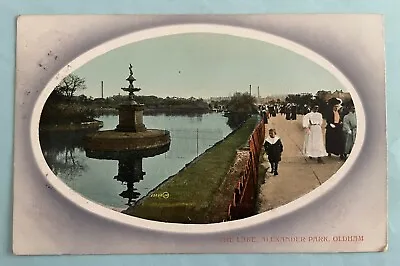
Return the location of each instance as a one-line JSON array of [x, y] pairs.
[[340, 134], [290, 111], [267, 111]]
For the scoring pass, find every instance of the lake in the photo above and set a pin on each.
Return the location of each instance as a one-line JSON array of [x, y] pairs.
[[97, 180]]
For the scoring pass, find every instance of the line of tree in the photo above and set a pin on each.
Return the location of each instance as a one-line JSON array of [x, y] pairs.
[[64, 107], [59, 107]]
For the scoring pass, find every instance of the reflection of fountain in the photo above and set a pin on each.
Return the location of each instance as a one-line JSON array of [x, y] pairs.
[[130, 170], [129, 143]]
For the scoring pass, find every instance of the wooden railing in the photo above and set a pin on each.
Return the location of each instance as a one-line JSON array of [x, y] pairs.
[[244, 196]]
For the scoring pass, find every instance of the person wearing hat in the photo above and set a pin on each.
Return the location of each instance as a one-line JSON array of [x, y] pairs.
[[282, 110], [288, 111], [265, 115], [314, 140], [334, 138], [293, 112]]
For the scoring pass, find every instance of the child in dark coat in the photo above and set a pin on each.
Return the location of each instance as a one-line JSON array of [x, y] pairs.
[[273, 148]]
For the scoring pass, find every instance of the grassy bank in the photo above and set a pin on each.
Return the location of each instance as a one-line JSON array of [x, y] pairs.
[[194, 194], [263, 167]]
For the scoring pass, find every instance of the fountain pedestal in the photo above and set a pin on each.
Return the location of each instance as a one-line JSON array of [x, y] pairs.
[[131, 118]]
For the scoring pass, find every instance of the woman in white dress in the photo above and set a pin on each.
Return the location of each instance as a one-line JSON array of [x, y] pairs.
[[314, 141]]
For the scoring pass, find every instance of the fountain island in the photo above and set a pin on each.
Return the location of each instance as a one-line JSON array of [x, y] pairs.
[[130, 136]]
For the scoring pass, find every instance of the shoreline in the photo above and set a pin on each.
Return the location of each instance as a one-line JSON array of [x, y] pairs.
[[95, 124], [147, 111]]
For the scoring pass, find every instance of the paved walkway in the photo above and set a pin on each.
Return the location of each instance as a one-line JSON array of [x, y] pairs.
[[298, 174]]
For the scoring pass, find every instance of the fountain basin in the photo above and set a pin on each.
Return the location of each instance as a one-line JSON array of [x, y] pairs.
[[113, 144]]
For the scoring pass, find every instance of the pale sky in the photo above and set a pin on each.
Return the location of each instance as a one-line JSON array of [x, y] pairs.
[[210, 65]]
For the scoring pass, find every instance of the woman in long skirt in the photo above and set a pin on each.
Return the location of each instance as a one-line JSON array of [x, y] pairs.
[[334, 131], [288, 112]]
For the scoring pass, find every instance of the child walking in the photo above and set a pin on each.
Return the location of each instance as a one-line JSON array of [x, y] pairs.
[[273, 148]]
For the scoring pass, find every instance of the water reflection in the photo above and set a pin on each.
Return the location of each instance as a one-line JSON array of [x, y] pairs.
[[130, 171], [60, 150], [116, 182]]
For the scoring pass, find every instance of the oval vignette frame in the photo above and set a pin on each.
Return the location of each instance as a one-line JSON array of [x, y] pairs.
[[106, 213]]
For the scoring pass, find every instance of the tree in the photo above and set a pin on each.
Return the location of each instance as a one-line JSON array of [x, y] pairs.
[[70, 84], [323, 95], [242, 103], [300, 99]]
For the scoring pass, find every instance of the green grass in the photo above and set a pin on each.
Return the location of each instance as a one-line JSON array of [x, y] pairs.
[[192, 190], [262, 171]]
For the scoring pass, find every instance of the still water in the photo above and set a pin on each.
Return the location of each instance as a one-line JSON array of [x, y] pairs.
[[96, 179]]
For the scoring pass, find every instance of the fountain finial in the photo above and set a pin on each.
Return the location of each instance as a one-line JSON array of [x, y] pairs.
[[131, 88], [130, 69]]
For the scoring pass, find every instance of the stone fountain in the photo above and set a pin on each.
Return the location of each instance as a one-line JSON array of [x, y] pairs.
[[131, 134], [129, 142]]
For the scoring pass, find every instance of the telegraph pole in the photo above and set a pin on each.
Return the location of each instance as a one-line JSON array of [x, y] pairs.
[[250, 89], [102, 89]]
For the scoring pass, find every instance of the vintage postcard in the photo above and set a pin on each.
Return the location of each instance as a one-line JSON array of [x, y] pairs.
[[200, 134]]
